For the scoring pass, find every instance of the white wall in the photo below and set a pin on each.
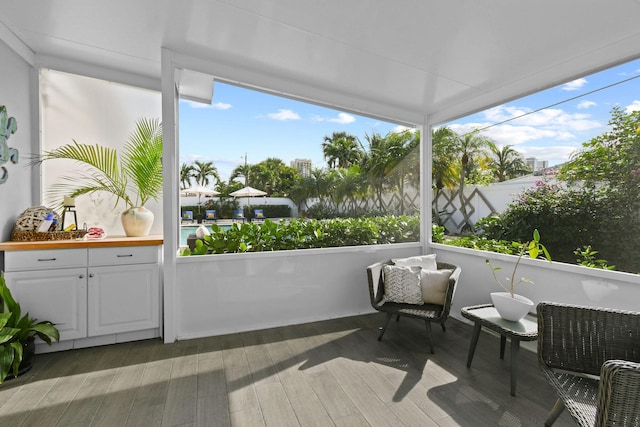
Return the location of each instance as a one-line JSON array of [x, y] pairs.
[[220, 294], [498, 195], [556, 282], [92, 111], [15, 193]]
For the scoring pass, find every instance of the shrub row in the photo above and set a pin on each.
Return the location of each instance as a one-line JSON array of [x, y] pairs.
[[306, 234]]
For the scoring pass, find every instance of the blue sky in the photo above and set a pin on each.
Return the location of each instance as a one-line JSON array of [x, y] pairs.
[[243, 121]]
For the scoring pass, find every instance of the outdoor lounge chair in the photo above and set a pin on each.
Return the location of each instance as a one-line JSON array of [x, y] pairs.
[[258, 215], [210, 216], [187, 217], [238, 215], [578, 344], [427, 312]]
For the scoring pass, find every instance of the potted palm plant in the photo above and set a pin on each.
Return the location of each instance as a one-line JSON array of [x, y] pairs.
[[510, 305], [17, 335], [133, 180]]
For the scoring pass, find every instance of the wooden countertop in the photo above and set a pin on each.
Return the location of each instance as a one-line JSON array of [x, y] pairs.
[[81, 243]]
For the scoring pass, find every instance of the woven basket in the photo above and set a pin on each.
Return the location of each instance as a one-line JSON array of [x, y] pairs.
[[33, 236]]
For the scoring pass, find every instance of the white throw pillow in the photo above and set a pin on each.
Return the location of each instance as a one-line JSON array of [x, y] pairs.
[[427, 262], [402, 285], [434, 285]]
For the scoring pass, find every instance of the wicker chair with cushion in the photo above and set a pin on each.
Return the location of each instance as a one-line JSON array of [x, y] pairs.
[[429, 312], [591, 357]]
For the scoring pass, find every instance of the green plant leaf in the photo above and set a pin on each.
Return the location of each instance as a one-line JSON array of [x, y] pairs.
[[6, 361], [46, 331], [8, 334]]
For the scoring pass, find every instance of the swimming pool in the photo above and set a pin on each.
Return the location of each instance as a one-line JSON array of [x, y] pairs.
[[185, 230]]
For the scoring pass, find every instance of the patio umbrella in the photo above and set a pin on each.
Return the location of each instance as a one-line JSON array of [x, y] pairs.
[[248, 192], [199, 191]]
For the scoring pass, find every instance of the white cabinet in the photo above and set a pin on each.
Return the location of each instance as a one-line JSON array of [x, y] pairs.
[[89, 292], [56, 295], [124, 296]]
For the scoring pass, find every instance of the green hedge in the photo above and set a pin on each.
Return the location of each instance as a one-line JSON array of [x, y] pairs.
[[306, 234]]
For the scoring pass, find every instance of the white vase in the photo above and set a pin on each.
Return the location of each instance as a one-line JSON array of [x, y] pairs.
[[137, 221], [512, 309]]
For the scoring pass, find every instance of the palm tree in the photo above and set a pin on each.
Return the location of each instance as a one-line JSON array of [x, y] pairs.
[[241, 170], [274, 176], [444, 167], [203, 171], [349, 185], [321, 183], [135, 180], [341, 150], [508, 163], [187, 172], [302, 189], [375, 165], [403, 161], [468, 146]]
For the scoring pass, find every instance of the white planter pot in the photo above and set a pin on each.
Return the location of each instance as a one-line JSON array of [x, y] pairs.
[[512, 309], [137, 221]]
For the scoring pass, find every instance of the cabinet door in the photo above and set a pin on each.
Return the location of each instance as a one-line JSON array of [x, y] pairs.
[[123, 298], [56, 295]]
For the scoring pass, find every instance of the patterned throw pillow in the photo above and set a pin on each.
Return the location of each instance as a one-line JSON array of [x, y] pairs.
[[402, 285]]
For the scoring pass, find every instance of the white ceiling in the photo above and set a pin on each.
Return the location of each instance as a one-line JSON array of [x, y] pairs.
[[441, 58]]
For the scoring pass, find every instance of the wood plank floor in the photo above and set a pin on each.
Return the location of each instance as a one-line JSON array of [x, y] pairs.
[[330, 373]]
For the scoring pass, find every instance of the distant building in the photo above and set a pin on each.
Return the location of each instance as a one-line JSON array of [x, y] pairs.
[[537, 165], [303, 166]]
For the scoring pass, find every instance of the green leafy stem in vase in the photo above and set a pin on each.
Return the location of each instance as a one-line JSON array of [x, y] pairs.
[[534, 249]]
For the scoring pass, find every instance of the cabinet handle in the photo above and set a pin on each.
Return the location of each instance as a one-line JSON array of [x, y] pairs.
[[90, 274], [46, 259], [81, 276], [124, 256]]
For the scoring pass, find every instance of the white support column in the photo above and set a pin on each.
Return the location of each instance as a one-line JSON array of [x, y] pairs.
[[171, 228], [426, 182]]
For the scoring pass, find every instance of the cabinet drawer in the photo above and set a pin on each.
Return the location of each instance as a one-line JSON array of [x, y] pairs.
[[123, 255], [44, 259]]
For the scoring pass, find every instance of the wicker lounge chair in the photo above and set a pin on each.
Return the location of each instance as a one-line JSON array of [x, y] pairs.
[[427, 312], [578, 344]]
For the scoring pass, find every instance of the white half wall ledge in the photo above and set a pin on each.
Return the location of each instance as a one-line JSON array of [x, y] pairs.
[[222, 294], [556, 282]]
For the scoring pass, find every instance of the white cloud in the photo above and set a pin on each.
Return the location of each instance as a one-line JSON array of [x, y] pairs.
[[547, 124], [586, 104], [283, 115], [202, 105], [221, 106], [553, 154], [400, 129], [634, 106], [343, 119], [506, 134], [574, 85], [549, 119]]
